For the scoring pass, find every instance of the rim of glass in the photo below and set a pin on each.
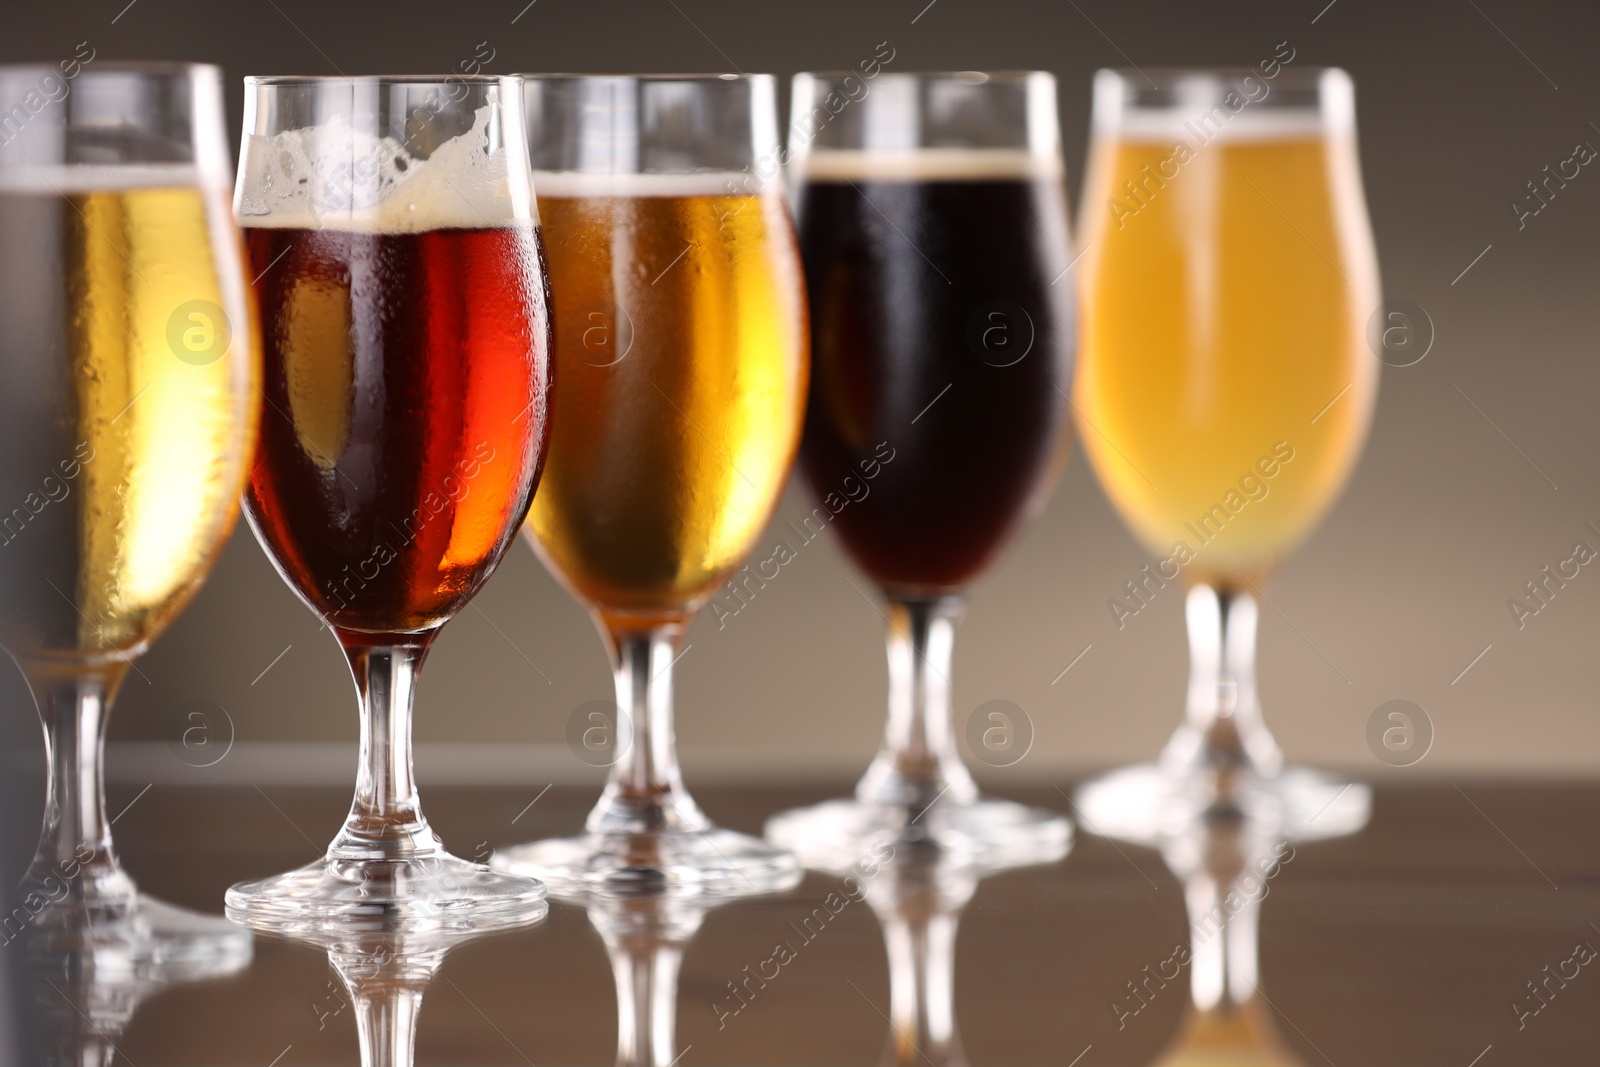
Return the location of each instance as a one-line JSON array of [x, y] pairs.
[[1302, 77], [265, 80], [168, 68], [971, 77], [691, 77]]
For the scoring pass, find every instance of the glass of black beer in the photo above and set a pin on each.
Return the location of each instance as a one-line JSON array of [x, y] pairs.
[[932, 215]]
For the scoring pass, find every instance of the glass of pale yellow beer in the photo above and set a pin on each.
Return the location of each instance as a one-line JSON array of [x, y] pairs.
[[681, 363], [1223, 390], [126, 424]]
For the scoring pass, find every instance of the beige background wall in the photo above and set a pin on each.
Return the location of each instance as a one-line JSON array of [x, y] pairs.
[[1449, 513]]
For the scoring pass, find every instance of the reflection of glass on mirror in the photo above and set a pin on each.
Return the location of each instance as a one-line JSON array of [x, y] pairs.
[[918, 891], [646, 936], [1226, 863], [386, 966], [83, 997]]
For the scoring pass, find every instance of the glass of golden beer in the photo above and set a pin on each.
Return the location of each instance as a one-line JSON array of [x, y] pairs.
[[681, 356], [126, 422], [395, 255], [1224, 390], [933, 221]]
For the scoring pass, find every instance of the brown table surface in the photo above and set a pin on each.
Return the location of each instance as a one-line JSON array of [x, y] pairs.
[[1405, 944]]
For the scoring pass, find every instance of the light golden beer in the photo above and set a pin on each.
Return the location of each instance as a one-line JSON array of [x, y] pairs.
[[680, 384], [126, 418], [1224, 385]]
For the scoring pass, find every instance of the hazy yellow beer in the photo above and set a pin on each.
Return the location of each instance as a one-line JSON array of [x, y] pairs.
[[126, 415], [1225, 385], [680, 384]]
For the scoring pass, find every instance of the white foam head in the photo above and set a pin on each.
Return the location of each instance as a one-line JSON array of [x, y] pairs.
[[1215, 123], [336, 177], [1207, 108], [927, 164], [58, 178]]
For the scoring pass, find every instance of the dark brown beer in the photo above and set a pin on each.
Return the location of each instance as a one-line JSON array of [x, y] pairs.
[[407, 383], [935, 327]]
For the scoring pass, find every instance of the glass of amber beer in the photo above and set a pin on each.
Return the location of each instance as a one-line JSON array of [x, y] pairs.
[[126, 423], [932, 211], [391, 233], [681, 349], [1225, 389]]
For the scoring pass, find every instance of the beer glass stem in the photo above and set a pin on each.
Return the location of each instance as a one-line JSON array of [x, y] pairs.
[[1223, 921], [386, 820], [921, 953], [1223, 730], [75, 860], [645, 791], [918, 763]]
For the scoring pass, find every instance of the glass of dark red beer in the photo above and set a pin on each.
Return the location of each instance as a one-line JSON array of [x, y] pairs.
[[932, 215], [392, 237]]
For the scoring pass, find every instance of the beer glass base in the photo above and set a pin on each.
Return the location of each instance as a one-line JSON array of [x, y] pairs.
[[838, 833], [142, 938], [1148, 803], [437, 892], [711, 862]]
